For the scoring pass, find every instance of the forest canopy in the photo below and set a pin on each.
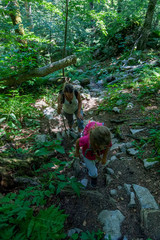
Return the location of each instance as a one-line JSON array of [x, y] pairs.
[[37, 33]]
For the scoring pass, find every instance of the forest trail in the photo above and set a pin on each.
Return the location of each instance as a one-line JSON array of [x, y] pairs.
[[119, 181], [125, 203]]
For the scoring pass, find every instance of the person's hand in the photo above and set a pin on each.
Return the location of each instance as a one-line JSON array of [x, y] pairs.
[[79, 115], [59, 110]]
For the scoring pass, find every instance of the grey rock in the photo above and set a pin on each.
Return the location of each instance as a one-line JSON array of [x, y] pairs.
[[109, 179], [145, 198], [110, 171], [49, 112], [150, 222], [115, 146], [148, 164], [132, 151], [129, 106], [84, 182], [41, 138], [127, 187], [134, 131], [73, 231], [80, 71], [113, 192], [132, 202], [114, 140], [116, 109], [112, 222], [123, 148], [30, 181], [119, 155], [76, 82], [129, 144], [113, 158]]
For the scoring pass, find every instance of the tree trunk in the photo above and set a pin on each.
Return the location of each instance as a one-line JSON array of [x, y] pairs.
[[147, 25], [65, 34], [39, 72], [29, 15], [16, 19]]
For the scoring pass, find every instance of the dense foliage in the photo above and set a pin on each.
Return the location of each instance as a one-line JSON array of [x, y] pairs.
[[102, 34], [95, 29]]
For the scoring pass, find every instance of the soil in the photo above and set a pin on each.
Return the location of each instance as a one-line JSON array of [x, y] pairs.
[[83, 211]]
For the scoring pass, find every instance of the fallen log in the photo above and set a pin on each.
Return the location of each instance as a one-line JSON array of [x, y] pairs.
[[39, 72]]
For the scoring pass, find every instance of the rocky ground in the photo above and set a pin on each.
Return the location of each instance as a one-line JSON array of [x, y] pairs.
[[125, 203]]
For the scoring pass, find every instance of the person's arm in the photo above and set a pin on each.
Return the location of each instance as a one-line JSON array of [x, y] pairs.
[[59, 108], [79, 106], [77, 148], [104, 158]]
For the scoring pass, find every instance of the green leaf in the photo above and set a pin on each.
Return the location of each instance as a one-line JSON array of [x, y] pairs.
[[13, 116], [76, 187], [52, 187], [61, 177], [48, 193], [61, 185], [74, 236], [2, 120], [30, 227], [41, 152], [60, 149]]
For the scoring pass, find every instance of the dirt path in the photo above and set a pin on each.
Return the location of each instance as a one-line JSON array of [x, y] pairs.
[[83, 211]]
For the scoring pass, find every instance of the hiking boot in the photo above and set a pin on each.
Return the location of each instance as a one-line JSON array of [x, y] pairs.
[[93, 182]]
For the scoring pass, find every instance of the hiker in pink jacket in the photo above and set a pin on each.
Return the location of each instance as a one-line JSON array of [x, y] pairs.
[[95, 144]]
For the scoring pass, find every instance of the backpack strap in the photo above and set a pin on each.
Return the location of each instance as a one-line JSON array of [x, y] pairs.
[[76, 93], [62, 95]]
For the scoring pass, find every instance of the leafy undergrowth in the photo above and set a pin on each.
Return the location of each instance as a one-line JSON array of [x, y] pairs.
[[35, 212]]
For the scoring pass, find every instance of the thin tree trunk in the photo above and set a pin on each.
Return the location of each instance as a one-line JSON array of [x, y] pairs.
[[65, 35], [39, 72], [16, 19], [146, 29], [29, 15]]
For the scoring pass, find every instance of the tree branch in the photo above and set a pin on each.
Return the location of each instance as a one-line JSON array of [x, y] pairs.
[[39, 72]]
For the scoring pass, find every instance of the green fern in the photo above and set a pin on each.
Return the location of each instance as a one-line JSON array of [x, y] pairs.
[[17, 221]]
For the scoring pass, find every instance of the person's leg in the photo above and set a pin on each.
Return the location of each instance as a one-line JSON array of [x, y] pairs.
[[92, 171], [91, 166], [69, 118], [79, 121]]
